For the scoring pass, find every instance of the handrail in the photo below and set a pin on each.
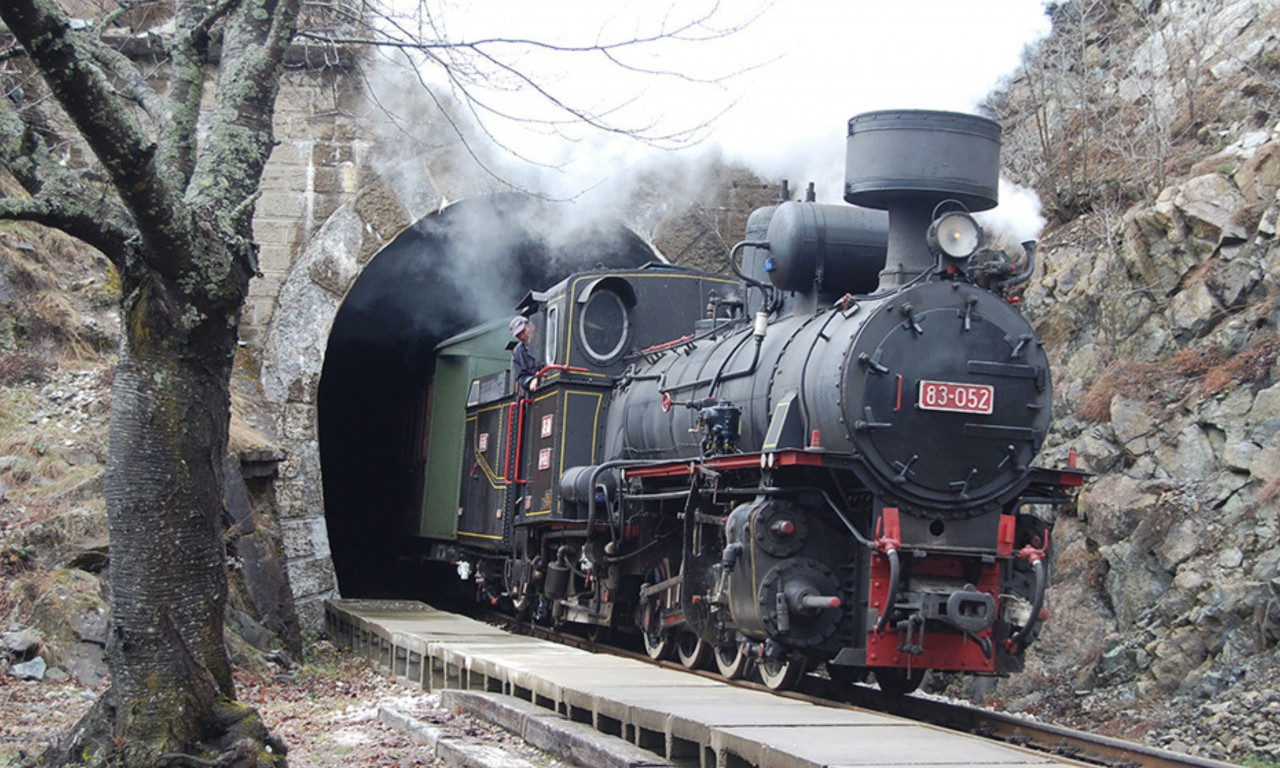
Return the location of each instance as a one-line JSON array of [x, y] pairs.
[[551, 367], [517, 480]]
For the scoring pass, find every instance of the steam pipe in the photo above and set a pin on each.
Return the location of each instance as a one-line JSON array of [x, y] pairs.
[[641, 550], [720, 375], [1029, 248], [749, 370], [765, 291], [895, 576], [733, 262]]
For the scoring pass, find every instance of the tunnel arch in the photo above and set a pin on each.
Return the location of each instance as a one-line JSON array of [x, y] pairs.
[[332, 293], [465, 265]]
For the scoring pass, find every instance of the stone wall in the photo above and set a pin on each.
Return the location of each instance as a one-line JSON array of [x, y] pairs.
[[318, 167], [320, 164], [294, 342], [323, 215], [1166, 350]]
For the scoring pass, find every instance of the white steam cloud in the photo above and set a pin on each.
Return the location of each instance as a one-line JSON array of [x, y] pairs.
[[1017, 218], [774, 96]]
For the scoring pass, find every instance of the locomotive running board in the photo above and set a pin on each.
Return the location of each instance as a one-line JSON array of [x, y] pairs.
[[768, 460]]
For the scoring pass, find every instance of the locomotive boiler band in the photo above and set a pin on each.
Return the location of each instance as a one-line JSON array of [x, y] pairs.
[[825, 458]]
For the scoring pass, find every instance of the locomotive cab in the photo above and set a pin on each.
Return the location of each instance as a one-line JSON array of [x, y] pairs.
[[517, 446]]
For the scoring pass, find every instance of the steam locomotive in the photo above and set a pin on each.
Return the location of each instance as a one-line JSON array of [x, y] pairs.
[[823, 458]]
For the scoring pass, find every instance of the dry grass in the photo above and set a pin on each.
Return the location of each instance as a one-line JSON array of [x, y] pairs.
[[55, 281], [1254, 365], [23, 266], [49, 316], [22, 368], [1203, 372], [49, 474], [60, 444], [1200, 273], [1155, 380], [1095, 403]]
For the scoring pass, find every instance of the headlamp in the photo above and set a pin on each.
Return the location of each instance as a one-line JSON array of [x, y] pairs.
[[954, 234]]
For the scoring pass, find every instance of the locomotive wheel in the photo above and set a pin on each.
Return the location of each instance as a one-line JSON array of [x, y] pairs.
[[781, 674], [692, 651], [732, 661], [899, 682], [658, 647]]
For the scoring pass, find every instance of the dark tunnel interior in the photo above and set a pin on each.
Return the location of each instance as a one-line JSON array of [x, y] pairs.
[[470, 263]]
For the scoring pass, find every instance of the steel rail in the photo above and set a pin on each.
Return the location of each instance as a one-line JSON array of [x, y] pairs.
[[1057, 740]]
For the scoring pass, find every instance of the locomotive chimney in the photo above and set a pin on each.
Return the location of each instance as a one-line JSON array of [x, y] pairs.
[[907, 162]]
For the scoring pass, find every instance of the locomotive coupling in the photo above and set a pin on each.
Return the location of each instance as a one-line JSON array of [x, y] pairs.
[[970, 610]]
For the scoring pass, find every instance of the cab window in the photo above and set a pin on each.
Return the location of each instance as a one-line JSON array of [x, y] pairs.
[[604, 326], [552, 335]]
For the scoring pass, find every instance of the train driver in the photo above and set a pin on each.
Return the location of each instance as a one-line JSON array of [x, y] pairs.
[[523, 363]]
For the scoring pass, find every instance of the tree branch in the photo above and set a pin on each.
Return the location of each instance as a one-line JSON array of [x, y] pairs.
[[61, 197], [137, 88], [12, 52], [189, 52], [453, 127], [492, 62], [240, 139], [683, 32], [71, 217], [128, 155], [125, 7]]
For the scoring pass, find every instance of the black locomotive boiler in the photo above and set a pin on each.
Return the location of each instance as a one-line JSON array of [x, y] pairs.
[[825, 458]]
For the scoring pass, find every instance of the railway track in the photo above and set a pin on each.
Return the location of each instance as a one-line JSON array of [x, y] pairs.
[[1043, 737]]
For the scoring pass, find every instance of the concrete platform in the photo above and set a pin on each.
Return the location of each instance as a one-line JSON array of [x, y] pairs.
[[682, 718]]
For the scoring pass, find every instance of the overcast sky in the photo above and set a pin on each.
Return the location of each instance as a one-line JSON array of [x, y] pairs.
[[787, 82]]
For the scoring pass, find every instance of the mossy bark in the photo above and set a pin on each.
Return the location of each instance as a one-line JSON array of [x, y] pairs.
[[171, 688], [178, 227]]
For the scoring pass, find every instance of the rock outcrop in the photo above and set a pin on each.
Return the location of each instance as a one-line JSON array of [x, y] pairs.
[[1160, 314]]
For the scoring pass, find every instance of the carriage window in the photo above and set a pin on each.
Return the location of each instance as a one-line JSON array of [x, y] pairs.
[[604, 326], [552, 335]]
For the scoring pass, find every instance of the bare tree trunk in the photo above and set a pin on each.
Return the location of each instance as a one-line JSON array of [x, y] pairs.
[[171, 688]]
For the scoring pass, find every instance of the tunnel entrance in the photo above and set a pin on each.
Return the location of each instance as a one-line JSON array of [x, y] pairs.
[[468, 264]]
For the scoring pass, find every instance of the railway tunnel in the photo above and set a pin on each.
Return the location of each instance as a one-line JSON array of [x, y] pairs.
[[467, 264]]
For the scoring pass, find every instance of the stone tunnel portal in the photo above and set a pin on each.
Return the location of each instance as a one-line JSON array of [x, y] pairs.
[[467, 264]]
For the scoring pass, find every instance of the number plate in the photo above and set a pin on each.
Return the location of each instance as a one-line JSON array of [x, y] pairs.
[[960, 398]]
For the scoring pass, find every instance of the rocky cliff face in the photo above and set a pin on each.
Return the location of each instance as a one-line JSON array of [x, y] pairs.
[[1158, 303]]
